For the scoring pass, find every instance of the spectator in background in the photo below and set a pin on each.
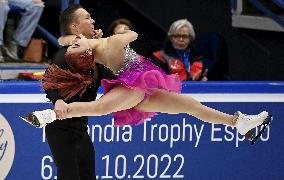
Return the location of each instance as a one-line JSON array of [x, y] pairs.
[[118, 25], [178, 55], [25, 27], [142, 45]]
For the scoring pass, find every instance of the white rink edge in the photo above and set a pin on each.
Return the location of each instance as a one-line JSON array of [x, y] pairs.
[[202, 97]]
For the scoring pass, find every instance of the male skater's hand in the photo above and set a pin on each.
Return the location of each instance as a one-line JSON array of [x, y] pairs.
[[98, 34], [60, 109]]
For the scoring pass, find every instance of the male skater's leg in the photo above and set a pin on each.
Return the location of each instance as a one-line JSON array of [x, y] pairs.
[[63, 145], [86, 158]]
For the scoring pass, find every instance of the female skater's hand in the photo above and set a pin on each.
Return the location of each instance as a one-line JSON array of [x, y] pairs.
[[80, 44], [66, 40], [61, 109]]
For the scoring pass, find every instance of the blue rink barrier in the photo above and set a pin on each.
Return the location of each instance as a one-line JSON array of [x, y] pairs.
[[167, 147]]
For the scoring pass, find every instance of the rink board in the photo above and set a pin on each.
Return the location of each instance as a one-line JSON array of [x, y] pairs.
[[167, 147]]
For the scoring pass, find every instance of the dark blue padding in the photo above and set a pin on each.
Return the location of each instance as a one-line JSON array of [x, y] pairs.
[[212, 48], [208, 44]]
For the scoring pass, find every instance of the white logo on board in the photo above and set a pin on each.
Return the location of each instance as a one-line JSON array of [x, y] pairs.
[[7, 147]]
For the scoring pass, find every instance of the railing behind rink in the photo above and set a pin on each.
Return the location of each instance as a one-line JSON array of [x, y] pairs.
[[261, 7], [267, 11]]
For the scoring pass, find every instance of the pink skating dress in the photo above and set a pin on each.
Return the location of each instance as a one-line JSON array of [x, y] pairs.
[[140, 74]]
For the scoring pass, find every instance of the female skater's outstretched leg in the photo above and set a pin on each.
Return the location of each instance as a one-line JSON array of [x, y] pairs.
[[121, 98], [173, 103]]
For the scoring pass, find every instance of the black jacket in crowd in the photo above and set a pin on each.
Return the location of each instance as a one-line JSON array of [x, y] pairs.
[[171, 51]]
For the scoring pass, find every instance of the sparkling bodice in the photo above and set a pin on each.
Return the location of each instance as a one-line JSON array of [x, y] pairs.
[[130, 56]]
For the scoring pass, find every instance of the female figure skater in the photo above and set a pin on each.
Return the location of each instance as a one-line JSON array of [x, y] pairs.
[[139, 91]]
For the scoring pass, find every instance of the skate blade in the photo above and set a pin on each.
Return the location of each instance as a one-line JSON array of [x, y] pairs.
[[31, 123], [24, 119], [249, 135], [265, 124]]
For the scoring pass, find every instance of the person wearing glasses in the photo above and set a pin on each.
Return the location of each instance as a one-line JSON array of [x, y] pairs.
[[178, 55]]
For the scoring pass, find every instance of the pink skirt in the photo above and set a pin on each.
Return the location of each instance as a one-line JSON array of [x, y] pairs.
[[141, 75]]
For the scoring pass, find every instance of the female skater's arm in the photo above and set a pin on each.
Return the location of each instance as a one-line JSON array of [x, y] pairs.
[[79, 109], [81, 43], [68, 40], [118, 40], [123, 38]]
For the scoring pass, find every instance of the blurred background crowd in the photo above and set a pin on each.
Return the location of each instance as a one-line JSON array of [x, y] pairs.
[[199, 40]]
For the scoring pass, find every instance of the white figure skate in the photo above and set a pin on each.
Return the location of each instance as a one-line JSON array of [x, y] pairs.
[[39, 119], [245, 124]]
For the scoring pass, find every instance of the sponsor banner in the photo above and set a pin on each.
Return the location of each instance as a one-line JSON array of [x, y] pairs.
[[7, 147], [165, 147]]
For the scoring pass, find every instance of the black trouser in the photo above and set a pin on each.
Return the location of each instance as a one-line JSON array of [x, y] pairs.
[[73, 154]]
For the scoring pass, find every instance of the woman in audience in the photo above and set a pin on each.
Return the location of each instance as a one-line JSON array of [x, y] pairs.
[[178, 55]]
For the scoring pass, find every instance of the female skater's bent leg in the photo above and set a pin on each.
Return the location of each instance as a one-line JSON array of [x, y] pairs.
[[117, 99]]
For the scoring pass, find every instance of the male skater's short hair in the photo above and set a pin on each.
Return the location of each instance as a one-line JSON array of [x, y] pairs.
[[67, 17]]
